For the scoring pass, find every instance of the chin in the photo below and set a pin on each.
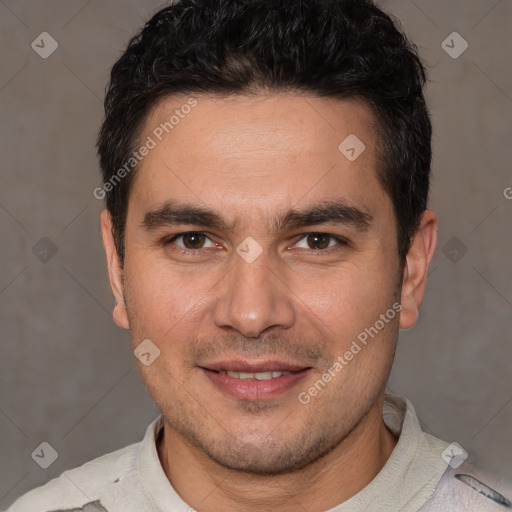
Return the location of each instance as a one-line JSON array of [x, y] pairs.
[[267, 458]]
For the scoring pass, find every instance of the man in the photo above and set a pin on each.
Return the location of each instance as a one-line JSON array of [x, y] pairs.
[[266, 174]]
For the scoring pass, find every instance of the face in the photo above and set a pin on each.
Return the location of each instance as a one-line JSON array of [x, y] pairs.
[[257, 256]]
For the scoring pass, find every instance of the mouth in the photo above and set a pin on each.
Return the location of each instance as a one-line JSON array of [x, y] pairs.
[[268, 375], [246, 380]]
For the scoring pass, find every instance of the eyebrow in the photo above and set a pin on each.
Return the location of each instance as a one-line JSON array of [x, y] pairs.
[[327, 212]]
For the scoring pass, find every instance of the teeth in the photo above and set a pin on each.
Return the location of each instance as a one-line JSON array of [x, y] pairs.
[[258, 376]]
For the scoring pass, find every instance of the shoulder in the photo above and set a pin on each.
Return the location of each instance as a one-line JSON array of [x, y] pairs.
[[466, 488], [85, 488]]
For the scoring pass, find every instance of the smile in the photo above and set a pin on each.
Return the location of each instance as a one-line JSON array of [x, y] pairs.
[[251, 381], [257, 376]]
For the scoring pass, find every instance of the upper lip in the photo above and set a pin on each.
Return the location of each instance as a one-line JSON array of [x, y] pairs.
[[239, 365]]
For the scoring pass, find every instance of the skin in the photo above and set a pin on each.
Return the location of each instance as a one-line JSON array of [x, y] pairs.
[[250, 159]]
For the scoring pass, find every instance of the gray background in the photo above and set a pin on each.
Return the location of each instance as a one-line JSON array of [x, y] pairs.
[[67, 372]]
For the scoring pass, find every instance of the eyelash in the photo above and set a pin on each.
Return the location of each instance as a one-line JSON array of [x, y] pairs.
[[343, 242]]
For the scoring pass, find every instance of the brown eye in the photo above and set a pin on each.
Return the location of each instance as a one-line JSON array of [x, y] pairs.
[[318, 240], [193, 240], [189, 242]]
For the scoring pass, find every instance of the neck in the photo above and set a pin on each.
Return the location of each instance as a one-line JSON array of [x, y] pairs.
[[326, 483]]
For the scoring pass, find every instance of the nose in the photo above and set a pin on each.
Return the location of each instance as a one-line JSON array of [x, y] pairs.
[[252, 299]]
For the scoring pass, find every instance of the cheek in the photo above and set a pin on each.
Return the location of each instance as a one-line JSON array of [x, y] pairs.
[[162, 300], [345, 300]]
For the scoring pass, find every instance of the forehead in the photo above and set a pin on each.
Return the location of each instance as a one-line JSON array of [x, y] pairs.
[[266, 149]]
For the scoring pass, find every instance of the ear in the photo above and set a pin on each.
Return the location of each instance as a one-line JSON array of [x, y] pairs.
[[115, 271], [416, 267]]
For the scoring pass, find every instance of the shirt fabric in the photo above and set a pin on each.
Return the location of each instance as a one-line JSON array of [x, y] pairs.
[[416, 477]]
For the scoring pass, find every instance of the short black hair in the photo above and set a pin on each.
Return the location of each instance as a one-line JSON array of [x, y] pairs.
[[326, 48]]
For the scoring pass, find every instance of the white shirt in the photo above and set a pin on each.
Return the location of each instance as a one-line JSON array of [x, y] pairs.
[[415, 477]]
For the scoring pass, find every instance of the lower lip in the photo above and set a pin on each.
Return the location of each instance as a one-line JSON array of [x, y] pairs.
[[254, 389]]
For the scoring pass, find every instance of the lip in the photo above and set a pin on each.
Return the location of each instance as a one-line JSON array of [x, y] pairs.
[[259, 390], [240, 365]]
